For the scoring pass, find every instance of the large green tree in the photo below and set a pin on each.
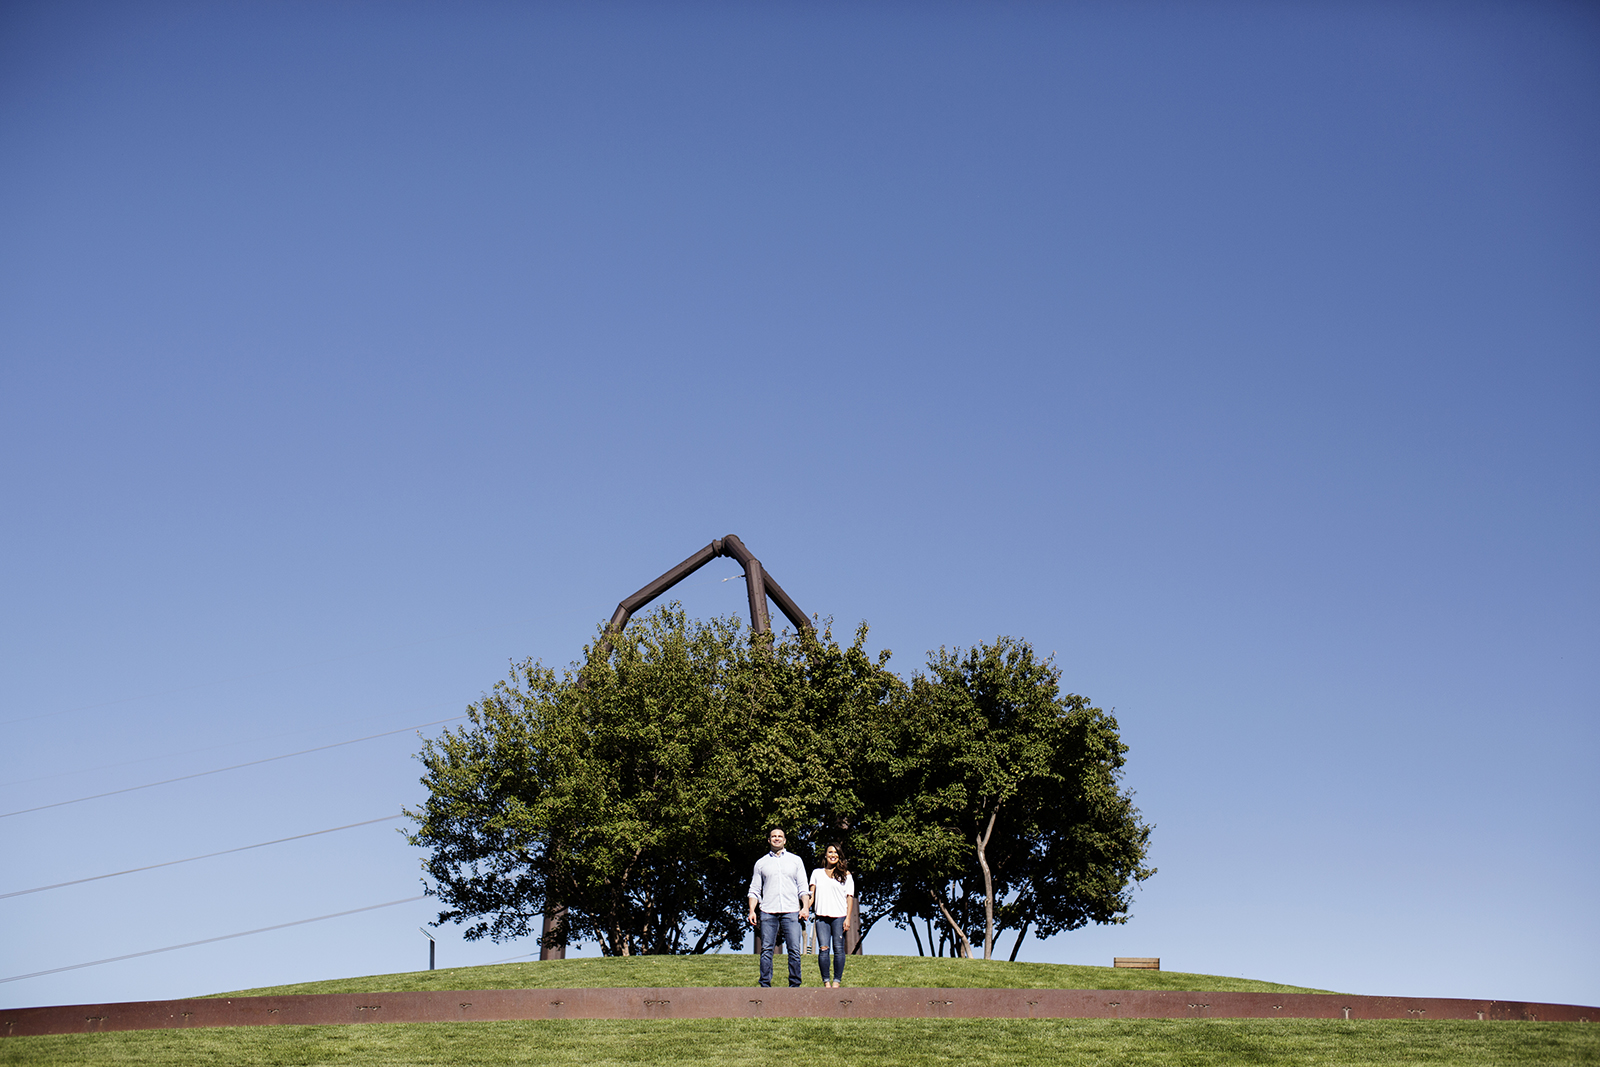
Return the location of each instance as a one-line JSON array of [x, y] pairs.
[[630, 793], [1005, 809], [636, 788]]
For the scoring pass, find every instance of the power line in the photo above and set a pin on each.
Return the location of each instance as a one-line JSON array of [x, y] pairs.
[[191, 751], [209, 940], [236, 766], [142, 759], [261, 674], [191, 859]]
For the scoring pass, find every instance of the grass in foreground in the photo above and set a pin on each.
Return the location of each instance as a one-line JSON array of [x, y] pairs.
[[843, 1043], [740, 970]]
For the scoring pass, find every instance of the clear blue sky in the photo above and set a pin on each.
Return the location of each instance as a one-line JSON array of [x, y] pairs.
[[1244, 355]]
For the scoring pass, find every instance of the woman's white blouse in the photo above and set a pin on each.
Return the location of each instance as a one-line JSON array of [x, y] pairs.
[[828, 893]]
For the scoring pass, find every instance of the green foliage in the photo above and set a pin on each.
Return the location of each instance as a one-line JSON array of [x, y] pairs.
[[1003, 801], [636, 789], [845, 1043]]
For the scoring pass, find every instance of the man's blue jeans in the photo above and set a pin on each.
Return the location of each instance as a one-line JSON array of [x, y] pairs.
[[789, 923]]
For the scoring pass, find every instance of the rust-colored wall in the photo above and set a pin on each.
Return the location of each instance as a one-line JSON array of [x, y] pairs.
[[743, 1003]]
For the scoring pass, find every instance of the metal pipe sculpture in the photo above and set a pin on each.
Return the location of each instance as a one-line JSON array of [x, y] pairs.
[[758, 584]]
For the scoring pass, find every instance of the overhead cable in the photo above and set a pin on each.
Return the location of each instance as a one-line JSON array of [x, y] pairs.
[[236, 766], [174, 754], [209, 940], [260, 674], [191, 859]]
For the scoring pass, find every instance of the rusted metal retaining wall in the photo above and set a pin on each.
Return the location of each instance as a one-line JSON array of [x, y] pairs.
[[485, 1005]]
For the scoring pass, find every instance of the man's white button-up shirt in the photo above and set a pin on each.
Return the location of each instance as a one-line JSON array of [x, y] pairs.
[[779, 882]]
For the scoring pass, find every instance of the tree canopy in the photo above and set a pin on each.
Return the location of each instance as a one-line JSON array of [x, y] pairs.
[[1003, 801], [635, 789]]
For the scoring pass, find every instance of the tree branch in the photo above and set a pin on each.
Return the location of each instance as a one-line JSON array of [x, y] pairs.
[[966, 942], [1020, 935]]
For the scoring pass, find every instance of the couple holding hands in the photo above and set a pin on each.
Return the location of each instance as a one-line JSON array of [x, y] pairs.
[[780, 891]]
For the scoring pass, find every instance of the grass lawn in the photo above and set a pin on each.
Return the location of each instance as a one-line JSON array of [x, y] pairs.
[[846, 1043], [740, 970], [842, 1042]]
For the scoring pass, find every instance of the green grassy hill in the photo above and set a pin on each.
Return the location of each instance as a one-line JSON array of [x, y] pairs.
[[740, 970], [839, 1042]]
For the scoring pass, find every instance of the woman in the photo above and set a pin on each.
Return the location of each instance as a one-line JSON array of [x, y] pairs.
[[833, 890]]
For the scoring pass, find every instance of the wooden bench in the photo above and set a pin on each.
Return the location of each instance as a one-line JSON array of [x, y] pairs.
[[1146, 963]]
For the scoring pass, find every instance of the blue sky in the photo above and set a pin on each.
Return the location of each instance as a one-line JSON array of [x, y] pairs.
[[1243, 355]]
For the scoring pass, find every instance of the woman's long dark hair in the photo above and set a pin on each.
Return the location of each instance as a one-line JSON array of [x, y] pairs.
[[841, 868]]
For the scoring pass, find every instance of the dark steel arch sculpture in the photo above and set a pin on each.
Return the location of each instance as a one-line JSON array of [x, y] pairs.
[[758, 584]]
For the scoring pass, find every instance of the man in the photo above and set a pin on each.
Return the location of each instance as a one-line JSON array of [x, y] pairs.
[[780, 889]]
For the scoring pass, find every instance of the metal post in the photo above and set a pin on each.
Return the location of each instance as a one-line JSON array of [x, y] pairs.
[[431, 946], [756, 586]]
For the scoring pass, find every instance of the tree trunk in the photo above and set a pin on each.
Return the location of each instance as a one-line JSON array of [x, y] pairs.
[[553, 943], [860, 929], [912, 925], [964, 941], [1020, 935], [988, 885]]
